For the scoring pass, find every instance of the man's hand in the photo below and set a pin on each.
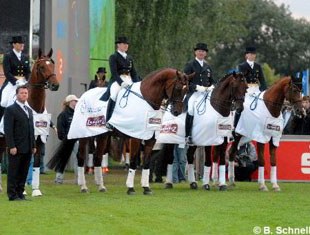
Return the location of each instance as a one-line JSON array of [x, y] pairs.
[[200, 88]]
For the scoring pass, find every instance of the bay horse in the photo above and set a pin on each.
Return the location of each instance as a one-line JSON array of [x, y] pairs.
[[227, 95], [42, 77], [166, 83], [265, 110]]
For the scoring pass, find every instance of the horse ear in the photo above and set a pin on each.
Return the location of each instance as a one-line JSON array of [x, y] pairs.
[[39, 53], [50, 53]]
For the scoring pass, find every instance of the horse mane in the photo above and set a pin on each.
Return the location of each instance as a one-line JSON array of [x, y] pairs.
[[156, 71], [224, 78]]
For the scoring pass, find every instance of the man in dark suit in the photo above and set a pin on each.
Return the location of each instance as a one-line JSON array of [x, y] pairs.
[[202, 81], [252, 70], [16, 66], [20, 140], [123, 73]]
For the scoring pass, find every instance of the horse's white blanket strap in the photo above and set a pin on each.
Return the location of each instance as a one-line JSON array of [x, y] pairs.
[[133, 116], [89, 115], [258, 124]]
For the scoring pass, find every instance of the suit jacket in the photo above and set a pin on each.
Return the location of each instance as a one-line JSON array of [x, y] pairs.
[[254, 75], [119, 65], [19, 129], [12, 67], [203, 75]]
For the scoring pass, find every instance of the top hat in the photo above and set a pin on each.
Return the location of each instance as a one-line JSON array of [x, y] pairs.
[[250, 50], [17, 39], [122, 40], [101, 70], [201, 46]]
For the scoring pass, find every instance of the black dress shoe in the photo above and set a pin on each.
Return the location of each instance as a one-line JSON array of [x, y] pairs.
[[15, 199]]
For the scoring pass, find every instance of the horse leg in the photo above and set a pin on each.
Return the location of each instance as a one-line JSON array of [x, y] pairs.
[[207, 169], [36, 169], [261, 167], [147, 153], [215, 166], [81, 156], [101, 147], [191, 172], [273, 165], [221, 150], [168, 150], [231, 162], [135, 152]]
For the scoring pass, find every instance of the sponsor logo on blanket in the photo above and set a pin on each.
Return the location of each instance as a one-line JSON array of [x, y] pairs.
[[154, 120], [225, 127], [273, 127], [41, 124], [169, 128], [95, 121]]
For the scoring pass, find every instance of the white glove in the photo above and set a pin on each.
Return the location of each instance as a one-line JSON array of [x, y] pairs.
[[210, 88], [124, 84], [200, 88], [20, 82]]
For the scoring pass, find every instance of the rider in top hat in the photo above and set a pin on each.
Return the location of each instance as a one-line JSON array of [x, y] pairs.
[[202, 81], [123, 73], [100, 74], [16, 66], [252, 70]]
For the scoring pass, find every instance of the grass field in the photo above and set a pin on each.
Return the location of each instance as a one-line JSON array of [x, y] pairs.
[[64, 210]]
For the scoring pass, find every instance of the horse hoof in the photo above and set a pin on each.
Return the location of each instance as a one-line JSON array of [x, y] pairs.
[[193, 185], [168, 185], [84, 190], [147, 191], [36, 193], [131, 191], [276, 189], [263, 188], [102, 189], [223, 187], [206, 187]]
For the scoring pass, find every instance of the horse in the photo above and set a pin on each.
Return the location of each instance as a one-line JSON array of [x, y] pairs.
[[166, 83], [267, 126], [227, 95], [42, 77]]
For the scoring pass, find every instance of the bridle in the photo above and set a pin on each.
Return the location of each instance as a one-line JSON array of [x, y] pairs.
[[46, 83], [171, 97]]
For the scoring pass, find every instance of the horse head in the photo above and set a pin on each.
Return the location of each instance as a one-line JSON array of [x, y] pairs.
[[238, 89], [176, 92], [293, 95], [43, 75]]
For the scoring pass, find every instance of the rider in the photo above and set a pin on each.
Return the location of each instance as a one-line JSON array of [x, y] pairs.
[[16, 67], [253, 73], [202, 81], [123, 74], [100, 74]]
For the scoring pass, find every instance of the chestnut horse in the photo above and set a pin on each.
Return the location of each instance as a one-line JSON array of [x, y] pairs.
[[163, 84], [271, 125], [227, 95], [42, 77]]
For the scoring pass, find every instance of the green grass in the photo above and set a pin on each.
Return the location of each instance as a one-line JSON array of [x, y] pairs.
[[64, 210]]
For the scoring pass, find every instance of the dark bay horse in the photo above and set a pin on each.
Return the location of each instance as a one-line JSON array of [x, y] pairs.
[[163, 84], [228, 94], [267, 126]]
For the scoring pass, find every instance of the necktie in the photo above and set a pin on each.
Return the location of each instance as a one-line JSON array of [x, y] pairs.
[[26, 110]]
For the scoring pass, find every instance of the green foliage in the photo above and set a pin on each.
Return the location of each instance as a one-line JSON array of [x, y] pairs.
[[164, 32], [64, 210], [270, 75]]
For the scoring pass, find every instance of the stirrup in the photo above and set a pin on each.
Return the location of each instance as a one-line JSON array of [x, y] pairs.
[[189, 140]]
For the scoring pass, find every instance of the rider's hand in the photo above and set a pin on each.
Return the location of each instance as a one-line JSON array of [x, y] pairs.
[[210, 88], [200, 88]]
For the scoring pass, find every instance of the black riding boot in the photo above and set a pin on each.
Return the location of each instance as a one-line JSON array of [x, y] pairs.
[[188, 128], [110, 109]]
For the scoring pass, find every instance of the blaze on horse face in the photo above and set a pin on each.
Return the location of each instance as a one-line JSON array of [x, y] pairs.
[[239, 87], [178, 89], [293, 95], [45, 68]]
